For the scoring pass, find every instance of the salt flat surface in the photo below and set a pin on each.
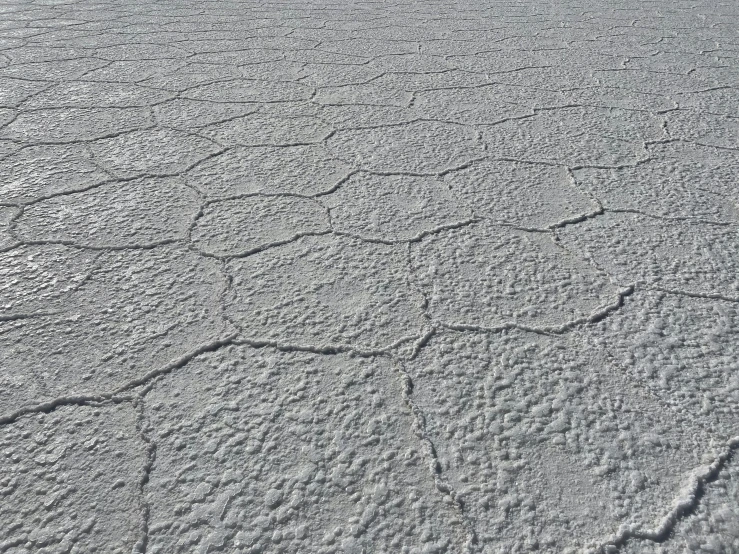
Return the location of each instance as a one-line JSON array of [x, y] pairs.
[[369, 277]]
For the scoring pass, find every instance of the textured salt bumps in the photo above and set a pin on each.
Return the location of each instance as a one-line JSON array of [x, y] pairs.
[[326, 292], [334, 462], [489, 277], [102, 321], [71, 481], [368, 277]]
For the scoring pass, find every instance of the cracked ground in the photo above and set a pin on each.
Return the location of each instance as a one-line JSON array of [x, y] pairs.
[[369, 277]]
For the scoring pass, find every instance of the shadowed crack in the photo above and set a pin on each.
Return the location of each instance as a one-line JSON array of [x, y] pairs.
[[415, 238], [690, 294], [260, 248], [328, 349], [118, 394], [191, 68], [683, 506], [596, 316], [442, 485], [151, 453], [30, 315]]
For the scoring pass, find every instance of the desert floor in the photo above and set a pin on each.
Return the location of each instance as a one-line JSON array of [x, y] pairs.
[[369, 277]]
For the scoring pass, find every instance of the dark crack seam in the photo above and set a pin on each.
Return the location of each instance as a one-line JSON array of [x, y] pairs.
[[182, 361], [258, 249], [684, 506], [705, 295], [434, 465], [76, 400], [418, 237], [599, 315], [328, 349], [151, 452]]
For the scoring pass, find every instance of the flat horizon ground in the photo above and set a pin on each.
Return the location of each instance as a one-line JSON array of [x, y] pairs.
[[369, 277]]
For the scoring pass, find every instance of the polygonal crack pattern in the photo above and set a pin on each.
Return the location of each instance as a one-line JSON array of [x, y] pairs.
[[360, 277]]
